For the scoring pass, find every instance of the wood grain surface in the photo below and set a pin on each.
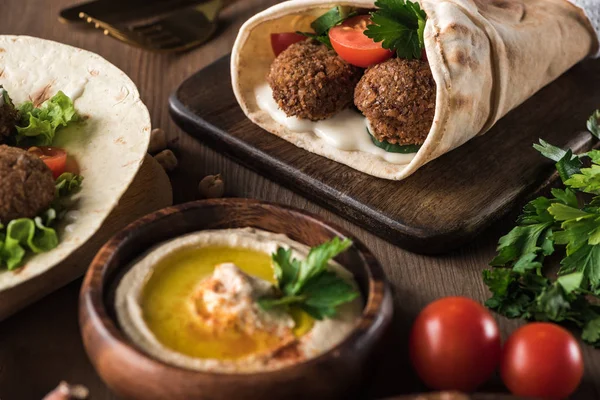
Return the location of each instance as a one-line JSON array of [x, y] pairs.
[[40, 345], [444, 204]]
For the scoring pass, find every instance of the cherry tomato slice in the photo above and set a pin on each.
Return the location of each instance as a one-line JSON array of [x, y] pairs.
[[541, 360], [353, 46], [281, 41], [455, 344], [54, 157]]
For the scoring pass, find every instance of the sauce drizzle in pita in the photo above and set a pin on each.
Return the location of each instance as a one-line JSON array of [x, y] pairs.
[[346, 130]]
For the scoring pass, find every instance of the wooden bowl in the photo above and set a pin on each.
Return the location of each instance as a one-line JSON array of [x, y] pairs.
[[131, 373]]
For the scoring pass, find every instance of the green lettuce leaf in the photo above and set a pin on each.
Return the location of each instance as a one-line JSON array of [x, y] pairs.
[[37, 126], [25, 234]]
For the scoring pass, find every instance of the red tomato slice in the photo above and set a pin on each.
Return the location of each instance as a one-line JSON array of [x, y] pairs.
[[541, 360], [54, 157], [455, 344], [281, 41], [353, 46]]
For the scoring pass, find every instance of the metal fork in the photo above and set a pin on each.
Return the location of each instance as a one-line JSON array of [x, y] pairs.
[[178, 31]]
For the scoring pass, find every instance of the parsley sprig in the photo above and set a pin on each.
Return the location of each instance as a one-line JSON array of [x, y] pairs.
[[565, 224], [309, 284], [399, 26]]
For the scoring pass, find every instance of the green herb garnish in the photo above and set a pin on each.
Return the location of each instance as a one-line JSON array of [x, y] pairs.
[[567, 163], [394, 148], [568, 224], [309, 284], [325, 22], [399, 25], [593, 124]]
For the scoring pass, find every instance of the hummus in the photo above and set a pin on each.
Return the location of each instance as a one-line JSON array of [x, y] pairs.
[[191, 303]]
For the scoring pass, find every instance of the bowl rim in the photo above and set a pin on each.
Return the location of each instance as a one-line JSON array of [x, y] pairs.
[[378, 308]]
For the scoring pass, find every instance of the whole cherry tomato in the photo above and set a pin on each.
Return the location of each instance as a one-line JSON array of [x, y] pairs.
[[455, 344], [541, 360]]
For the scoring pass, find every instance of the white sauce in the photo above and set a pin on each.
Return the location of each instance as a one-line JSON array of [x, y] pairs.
[[75, 89], [72, 216], [346, 130]]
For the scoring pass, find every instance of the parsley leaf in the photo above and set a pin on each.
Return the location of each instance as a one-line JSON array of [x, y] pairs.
[[593, 124], [513, 293], [591, 331], [567, 164], [308, 284], [587, 180], [586, 260], [399, 26], [525, 245], [570, 282], [549, 151], [324, 293]]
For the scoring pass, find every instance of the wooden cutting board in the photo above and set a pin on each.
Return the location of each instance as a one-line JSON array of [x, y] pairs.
[[149, 191], [444, 204]]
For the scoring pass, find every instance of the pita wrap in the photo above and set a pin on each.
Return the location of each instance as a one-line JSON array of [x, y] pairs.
[[486, 57], [109, 145]]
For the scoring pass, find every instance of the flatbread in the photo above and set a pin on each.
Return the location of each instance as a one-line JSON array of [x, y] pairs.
[[109, 146], [487, 57]]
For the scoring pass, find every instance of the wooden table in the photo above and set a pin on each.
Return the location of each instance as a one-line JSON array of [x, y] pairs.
[[41, 345]]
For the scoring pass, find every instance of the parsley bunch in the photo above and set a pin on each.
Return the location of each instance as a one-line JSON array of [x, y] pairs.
[[308, 284], [565, 224], [399, 25]]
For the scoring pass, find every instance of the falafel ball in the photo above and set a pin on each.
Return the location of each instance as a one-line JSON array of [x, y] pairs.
[[8, 117], [26, 184], [312, 82], [398, 98]]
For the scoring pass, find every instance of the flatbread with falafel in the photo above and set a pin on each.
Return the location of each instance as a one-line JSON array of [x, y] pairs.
[[387, 86], [73, 134]]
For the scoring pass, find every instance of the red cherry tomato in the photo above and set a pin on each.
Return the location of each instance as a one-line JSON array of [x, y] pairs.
[[455, 344], [281, 41], [541, 360], [54, 157], [353, 46]]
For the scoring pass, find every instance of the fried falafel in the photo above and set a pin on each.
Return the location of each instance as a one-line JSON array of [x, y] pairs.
[[27, 186], [312, 82], [398, 98], [8, 116]]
